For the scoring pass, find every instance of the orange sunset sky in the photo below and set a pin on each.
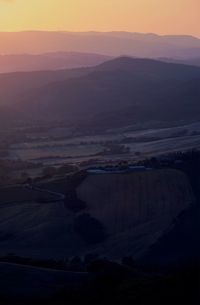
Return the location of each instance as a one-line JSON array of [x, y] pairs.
[[157, 16]]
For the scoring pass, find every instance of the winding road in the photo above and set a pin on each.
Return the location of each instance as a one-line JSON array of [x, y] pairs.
[[60, 196]]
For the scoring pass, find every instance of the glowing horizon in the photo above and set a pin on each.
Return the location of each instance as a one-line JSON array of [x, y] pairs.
[[166, 17]]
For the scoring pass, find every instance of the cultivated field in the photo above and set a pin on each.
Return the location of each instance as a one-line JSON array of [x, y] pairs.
[[135, 209]]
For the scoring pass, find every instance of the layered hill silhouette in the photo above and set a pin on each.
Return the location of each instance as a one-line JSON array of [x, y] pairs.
[[116, 93], [36, 51], [49, 61], [187, 61], [109, 43]]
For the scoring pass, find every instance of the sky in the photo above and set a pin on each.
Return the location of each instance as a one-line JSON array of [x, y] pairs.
[[146, 16]]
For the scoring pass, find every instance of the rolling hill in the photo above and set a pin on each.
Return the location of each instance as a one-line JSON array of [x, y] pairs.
[[23, 82], [116, 93]]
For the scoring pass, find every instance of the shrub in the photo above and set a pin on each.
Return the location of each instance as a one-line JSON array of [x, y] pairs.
[[89, 228], [73, 203]]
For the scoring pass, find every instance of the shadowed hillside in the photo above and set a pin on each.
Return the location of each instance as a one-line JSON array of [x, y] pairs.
[[23, 82], [131, 91]]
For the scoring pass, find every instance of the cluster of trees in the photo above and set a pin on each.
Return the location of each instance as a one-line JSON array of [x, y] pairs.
[[4, 176], [188, 162], [51, 171], [89, 229], [90, 262], [115, 149], [110, 282], [72, 202]]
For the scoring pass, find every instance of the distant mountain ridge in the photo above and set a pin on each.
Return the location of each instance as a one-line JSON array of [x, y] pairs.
[[108, 43]]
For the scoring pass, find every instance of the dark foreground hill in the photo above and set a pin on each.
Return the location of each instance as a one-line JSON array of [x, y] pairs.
[[137, 208], [116, 93], [40, 263], [112, 214]]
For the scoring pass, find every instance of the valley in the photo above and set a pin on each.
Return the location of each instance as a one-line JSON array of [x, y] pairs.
[[35, 150], [99, 175]]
